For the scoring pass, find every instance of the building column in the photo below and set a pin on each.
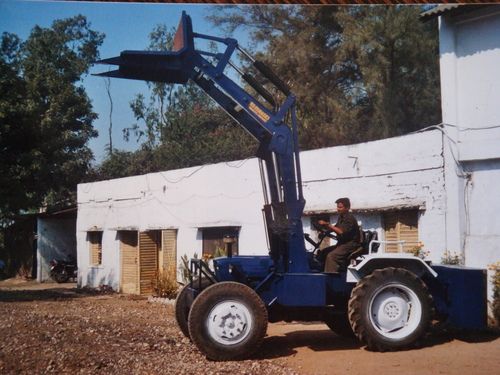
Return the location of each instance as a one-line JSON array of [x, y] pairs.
[[454, 181]]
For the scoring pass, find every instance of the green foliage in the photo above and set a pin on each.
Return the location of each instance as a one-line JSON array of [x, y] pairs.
[[185, 270], [45, 115], [220, 252], [179, 126], [360, 73]]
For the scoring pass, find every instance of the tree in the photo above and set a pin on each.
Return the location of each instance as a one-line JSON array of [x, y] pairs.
[[180, 127], [359, 73], [397, 57], [301, 45], [45, 115]]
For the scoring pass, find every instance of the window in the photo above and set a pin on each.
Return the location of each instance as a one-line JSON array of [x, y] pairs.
[[95, 241], [401, 226], [213, 240]]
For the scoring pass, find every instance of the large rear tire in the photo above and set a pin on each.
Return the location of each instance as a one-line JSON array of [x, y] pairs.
[[390, 309], [227, 321]]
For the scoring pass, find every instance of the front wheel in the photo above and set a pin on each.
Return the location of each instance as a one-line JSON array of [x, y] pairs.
[[227, 321], [390, 309], [184, 301]]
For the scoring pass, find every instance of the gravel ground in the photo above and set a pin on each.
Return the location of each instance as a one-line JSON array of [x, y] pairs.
[[56, 328], [65, 330]]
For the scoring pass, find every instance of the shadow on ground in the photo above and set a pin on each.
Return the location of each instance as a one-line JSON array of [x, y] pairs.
[[325, 340], [320, 340], [51, 294], [443, 334]]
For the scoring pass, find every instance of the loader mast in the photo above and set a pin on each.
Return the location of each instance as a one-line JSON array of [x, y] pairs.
[[273, 124]]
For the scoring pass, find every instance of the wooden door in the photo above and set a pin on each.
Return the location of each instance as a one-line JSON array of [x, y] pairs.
[[148, 260], [129, 279], [169, 250]]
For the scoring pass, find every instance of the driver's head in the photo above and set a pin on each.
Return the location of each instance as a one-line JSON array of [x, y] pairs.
[[343, 205]]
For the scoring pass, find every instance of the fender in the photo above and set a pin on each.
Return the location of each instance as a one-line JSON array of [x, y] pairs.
[[374, 261]]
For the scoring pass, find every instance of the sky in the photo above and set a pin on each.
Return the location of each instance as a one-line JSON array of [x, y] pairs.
[[127, 27]]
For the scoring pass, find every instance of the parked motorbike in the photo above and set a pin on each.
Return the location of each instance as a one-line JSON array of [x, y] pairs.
[[61, 271]]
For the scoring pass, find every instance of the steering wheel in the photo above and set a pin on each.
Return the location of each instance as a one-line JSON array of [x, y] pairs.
[[324, 232]]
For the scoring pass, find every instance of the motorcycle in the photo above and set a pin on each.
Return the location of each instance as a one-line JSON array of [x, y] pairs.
[[61, 271]]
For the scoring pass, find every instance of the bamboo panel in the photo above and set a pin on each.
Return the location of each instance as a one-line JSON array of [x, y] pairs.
[[148, 254], [169, 249], [129, 262]]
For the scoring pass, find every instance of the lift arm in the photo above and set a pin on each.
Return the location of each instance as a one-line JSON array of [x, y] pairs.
[[278, 141]]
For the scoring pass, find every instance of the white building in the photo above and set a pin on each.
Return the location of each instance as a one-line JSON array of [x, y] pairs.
[[470, 93], [396, 186], [438, 187]]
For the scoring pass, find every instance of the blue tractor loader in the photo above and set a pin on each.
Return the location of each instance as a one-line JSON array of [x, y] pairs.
[[386, 300]]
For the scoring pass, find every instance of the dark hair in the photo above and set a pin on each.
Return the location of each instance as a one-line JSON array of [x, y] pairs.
[[345, 202]]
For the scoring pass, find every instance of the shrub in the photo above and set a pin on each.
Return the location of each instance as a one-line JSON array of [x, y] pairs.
[[184, 267], [452, 258], [495, 279], [419, 251], [220, 252], [166, 285]]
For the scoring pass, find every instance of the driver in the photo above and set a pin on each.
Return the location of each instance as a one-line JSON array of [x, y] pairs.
[[348, 239]]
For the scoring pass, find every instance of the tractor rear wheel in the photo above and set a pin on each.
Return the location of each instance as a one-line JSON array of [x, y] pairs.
[[390, 309], [227, 321]]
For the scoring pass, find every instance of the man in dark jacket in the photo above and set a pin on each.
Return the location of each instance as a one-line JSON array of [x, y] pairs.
[[348, 239]]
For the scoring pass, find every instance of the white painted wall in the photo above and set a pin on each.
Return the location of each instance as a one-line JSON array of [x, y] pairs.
[[404, 171], [226, 194], [470, 90]]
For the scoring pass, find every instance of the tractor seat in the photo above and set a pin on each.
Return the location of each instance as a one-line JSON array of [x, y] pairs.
[[366, 236], [356, 253]]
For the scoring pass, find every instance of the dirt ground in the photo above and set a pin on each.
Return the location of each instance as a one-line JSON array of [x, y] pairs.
[[56, 328]]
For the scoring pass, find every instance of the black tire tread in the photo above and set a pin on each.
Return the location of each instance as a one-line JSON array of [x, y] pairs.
[[203, 304], [181, 308], [358, 305]]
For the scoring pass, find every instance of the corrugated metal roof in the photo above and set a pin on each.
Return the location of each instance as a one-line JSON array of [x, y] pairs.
[[450, 9]]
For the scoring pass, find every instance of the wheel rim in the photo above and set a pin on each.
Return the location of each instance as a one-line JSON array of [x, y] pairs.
[[395, 311], [229, 322]]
